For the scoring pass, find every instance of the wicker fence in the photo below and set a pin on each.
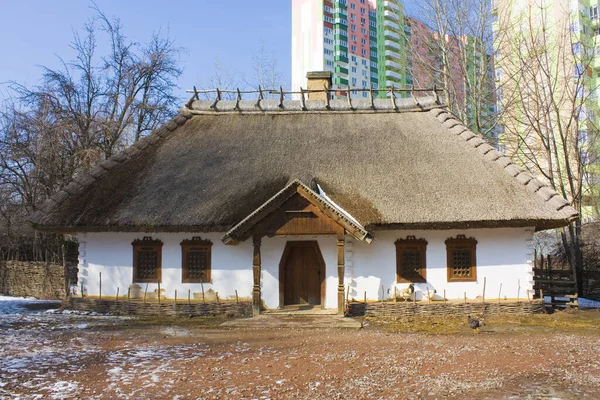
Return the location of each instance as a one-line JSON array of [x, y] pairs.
[[406, 309], [166, 308], [42, 280]]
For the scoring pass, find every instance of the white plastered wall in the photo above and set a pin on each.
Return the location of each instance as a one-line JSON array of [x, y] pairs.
[[112, 255], [503, 255]]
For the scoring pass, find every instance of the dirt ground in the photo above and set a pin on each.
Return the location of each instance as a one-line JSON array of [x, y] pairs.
[[76, 356]]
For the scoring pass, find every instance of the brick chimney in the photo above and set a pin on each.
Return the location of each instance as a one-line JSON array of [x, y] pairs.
[[318, 80]]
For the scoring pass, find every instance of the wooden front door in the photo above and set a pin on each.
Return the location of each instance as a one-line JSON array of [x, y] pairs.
[[302, 271]]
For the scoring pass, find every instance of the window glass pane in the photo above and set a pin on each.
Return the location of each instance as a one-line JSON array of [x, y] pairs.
[[461, 263], [197, 262], [147, 264]]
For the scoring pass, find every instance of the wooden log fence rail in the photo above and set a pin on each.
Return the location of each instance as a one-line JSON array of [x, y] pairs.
[[553, 282]]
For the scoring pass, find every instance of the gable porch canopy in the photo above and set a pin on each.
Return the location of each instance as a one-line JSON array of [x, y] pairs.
[[279, 216]]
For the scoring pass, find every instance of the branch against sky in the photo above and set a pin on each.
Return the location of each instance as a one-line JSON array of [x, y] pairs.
[[82, 112], [545, 63], [456, 54], [266, 72]]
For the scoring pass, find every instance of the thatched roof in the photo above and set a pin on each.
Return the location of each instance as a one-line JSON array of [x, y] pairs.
[[391, 166]]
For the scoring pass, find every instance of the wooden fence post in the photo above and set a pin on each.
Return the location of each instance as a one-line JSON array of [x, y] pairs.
[[483, 296], [500, 292], [518, 289], [117, 294], [158, 292], [444, 296], [100, 294], [145, 292], [175, 299], [189, 296]]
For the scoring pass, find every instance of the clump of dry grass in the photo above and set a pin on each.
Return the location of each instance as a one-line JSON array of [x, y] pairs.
[[572, 321]]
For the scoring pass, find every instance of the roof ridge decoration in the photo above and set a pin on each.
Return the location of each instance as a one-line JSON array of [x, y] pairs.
[[81, 181], [423, 102], [239, 232], [525, 178], [390, 92]]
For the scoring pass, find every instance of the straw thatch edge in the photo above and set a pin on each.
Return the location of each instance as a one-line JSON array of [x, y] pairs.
[[82, 181], [525, 178]]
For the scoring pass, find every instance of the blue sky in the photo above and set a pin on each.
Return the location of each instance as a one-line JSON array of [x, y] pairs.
[[35, 32]]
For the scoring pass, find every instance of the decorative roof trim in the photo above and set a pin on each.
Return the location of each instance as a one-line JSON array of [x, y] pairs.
[[424, 103], [241, 231], [543, 191]]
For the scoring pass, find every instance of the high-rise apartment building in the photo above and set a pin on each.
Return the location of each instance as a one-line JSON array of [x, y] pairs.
[[339, 36], [373, 43]]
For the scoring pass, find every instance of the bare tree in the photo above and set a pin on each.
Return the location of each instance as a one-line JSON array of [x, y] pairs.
[[267, 74], [546, 71], [101, 100], [454, 52], [82, 112], [220, 78]]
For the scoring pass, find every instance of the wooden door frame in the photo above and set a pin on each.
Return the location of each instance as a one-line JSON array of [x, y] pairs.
[[321, 267]]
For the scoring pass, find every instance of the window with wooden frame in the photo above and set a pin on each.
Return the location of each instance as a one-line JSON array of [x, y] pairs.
[[410, 260], [147, 260], [195, 260], [461, 259]]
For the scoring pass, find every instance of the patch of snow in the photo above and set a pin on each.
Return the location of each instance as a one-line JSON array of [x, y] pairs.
[[9, 298], [587, 303], [63, 390], [19, 305]]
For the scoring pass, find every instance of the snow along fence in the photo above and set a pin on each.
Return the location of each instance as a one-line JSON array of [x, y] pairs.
[[42, 280], [406, 309], [165, 308]]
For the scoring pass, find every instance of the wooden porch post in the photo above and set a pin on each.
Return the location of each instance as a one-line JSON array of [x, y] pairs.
[[341, 272], [256, 301]]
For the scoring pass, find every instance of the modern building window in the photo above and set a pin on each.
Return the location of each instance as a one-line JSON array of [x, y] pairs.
[[147, 260], [353, 48], [411, 260], [353, 81], [461, 259], [196, 260], [353, 6], [363, 52]]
